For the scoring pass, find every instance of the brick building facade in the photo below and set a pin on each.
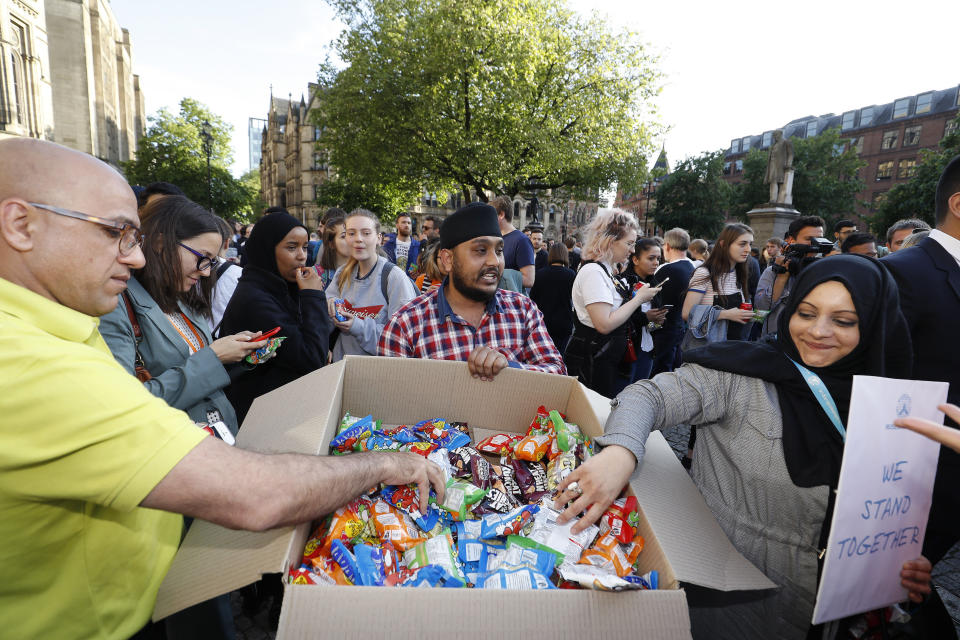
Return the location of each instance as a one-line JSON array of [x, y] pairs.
[[888, 137]]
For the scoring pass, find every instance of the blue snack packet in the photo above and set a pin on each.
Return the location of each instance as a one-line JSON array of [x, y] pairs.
[[342, 555], [650, 580], [369, 561], [517, 579], [360, 430], [505, 524]]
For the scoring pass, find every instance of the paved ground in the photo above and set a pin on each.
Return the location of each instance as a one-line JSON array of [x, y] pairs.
[[946, 574]]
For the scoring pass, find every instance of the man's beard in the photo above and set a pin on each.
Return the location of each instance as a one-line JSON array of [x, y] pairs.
[[466, 289]]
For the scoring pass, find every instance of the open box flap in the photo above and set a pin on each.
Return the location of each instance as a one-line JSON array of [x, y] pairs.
[[697, 548], [214, 560]]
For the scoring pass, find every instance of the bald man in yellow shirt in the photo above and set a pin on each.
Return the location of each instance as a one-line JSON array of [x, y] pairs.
[[94, 470]]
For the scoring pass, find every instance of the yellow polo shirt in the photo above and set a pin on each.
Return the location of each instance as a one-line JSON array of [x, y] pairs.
[[82, 443]]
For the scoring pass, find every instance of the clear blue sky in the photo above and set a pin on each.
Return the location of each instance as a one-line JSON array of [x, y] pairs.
[[733, 68]]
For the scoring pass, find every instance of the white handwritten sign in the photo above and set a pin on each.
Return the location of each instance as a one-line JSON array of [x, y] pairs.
[[883, 498]]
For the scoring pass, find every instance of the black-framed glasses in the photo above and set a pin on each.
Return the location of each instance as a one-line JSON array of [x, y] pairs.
[[203, 262], [129, 237]]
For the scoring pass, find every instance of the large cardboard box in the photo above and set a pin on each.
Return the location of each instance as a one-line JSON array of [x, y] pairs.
[[683, 541]]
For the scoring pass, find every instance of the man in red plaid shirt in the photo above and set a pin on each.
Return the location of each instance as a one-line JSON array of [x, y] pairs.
[[469, 317]]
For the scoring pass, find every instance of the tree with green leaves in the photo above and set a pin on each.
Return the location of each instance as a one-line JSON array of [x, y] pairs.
[[171, 150], [695, 196], [915, 198], [456, 95], [825, 180], [383, 199]]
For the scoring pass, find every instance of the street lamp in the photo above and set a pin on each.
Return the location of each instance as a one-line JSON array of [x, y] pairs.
[[206, 137]]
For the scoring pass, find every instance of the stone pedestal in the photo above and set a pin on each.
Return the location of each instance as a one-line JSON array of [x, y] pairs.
[[770, 220]]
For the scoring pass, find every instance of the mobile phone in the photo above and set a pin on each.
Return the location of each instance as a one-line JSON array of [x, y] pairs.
[[667, 306], [269, 334], [662, 282]]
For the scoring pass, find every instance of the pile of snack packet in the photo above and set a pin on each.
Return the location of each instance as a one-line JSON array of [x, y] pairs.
[[495, 529]]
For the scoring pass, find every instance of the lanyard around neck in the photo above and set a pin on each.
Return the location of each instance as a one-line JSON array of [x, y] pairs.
[[823, 396]]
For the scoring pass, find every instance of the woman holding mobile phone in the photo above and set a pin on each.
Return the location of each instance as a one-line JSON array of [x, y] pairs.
[[646, 257], [603, 303], [160, 327]]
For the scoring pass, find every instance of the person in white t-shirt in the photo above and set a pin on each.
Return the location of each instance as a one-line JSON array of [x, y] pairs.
[[603, 304]]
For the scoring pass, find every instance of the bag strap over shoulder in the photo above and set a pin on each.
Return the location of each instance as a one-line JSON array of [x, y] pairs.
[[385, 279], [139, 368], [133, 316]]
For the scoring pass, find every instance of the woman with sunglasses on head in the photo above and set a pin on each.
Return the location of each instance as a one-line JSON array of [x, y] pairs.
[[167, 303]]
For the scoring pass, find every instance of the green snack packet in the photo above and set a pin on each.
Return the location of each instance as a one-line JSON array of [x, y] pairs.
[[459, 495], [260, 354], [438, 550]]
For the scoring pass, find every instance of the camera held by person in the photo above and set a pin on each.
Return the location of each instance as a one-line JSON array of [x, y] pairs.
[[796, 256]]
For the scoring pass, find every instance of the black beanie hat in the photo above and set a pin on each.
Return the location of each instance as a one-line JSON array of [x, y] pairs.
[[474, 220]]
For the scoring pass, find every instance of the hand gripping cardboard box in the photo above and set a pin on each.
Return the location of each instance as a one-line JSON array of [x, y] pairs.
[[683, 541]]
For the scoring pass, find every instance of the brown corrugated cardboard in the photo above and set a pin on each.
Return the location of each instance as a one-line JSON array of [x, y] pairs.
[[303, 417]]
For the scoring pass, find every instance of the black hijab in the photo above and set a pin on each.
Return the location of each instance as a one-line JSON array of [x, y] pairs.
[[260, 248], [812, 447]]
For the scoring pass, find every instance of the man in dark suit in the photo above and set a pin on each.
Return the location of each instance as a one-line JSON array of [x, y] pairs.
[[679, 268], [929, 278]]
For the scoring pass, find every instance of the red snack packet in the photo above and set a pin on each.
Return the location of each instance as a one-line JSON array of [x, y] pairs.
[[541, 422], [499, 444], [422, 448], [391, 559]]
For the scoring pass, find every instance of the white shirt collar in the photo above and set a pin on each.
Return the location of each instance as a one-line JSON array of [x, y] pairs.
[[948, 242]]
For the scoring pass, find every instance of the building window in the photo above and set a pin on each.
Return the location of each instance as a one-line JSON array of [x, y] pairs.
[[811, 128], [316, 161], [866, 116], [924, 102], [316, 133], [856, 144], [735, 146], [847, 122], [746, 144], [738, 166], [911, 136], [906, 169], [950, 127], [889, 140], [18, 61], [901, 108], [885, 170], [767, 140], [726, 168]]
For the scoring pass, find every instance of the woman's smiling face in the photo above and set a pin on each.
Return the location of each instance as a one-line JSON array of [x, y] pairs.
[[825, 326]]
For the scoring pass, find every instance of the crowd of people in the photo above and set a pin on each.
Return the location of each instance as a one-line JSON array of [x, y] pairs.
[[144, 331]]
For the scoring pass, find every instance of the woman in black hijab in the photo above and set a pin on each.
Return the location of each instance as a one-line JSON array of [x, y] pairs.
[[771, 451], [277, 289]]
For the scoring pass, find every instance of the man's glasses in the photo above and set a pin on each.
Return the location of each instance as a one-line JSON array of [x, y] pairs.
[[203, 262], [128, 236]]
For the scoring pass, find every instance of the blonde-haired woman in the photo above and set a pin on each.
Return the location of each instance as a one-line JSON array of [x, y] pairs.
[[603, 303], [370, 286]]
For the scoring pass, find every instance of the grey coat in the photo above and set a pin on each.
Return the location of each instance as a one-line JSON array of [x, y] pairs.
[[191, 382], [740, 470]]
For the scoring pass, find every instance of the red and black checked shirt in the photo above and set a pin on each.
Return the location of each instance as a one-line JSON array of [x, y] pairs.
[[426, 327]]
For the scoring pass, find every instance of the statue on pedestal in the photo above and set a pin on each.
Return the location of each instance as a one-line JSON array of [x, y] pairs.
[[780, 170]]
